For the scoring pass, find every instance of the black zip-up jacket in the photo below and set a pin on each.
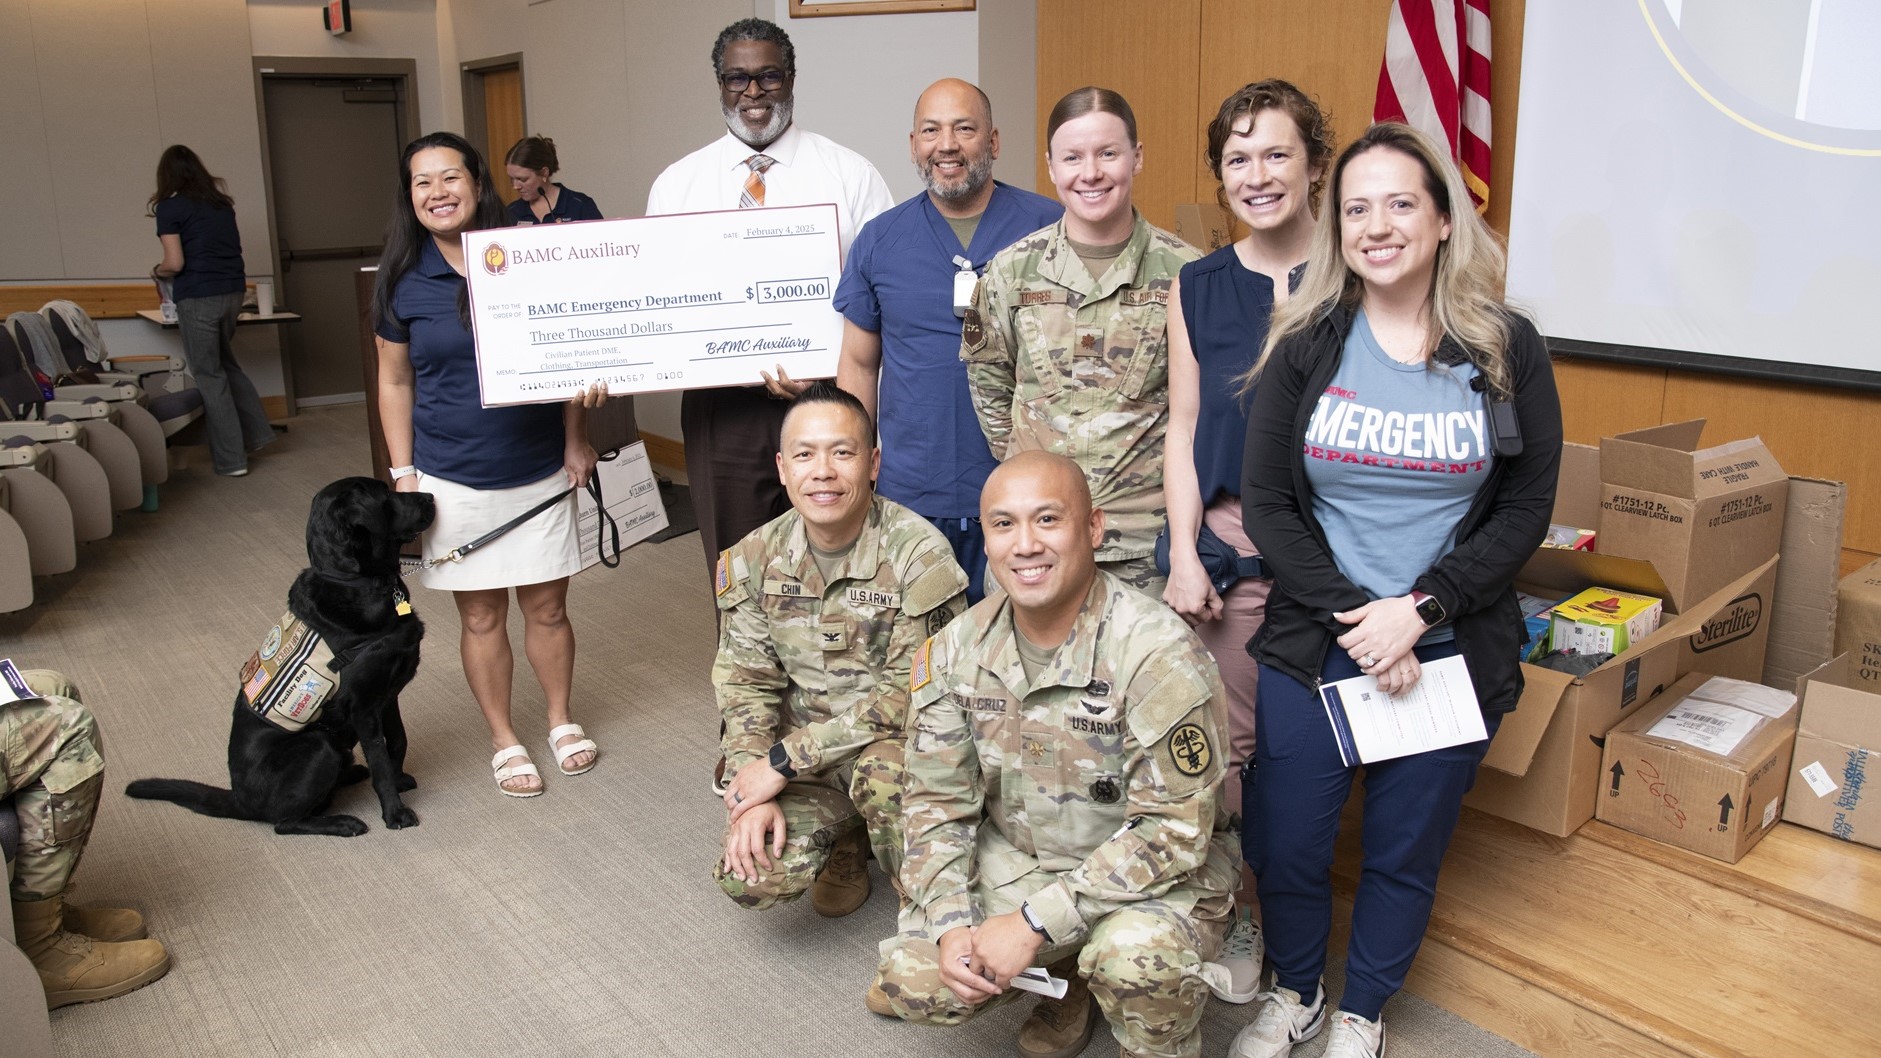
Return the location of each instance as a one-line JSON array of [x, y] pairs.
[[1474, 581]]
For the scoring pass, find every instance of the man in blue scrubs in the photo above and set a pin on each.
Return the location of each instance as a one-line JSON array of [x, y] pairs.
[[909, 276]]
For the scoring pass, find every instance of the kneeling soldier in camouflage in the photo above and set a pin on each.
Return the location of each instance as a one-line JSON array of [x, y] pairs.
[[1063, 787], [822, 610], [52, 766]]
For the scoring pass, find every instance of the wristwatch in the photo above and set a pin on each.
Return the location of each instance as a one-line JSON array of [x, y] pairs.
[[1428, 608], [403, 472], [780, 761], [1025, 912]]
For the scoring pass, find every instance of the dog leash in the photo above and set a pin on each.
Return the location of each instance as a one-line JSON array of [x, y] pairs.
[[609, 528]]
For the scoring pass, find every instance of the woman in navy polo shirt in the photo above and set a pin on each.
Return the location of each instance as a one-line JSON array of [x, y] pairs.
[[539, 200], [483, 466], [202, 256]]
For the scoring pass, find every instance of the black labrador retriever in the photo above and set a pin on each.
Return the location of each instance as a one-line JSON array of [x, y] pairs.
[[298, 717]]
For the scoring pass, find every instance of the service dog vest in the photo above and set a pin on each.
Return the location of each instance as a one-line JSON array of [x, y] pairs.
[[288, 680]]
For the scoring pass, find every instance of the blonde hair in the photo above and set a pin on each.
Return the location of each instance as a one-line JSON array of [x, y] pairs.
[[1466, 283]]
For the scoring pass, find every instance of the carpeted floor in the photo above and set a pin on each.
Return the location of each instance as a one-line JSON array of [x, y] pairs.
[[582, 922]]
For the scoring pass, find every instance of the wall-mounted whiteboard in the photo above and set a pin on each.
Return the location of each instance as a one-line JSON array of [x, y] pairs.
[[1699, 182]]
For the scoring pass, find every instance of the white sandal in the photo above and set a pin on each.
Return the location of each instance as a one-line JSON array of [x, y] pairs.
[[505, 772], [562, 753]]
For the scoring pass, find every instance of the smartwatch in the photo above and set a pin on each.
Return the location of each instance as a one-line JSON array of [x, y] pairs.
[[1025, 912], [780, 762], [403, 472], [1428, 608]]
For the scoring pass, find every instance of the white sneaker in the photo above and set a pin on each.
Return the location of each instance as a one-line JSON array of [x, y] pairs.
[[1283, 1022], [1354, 1037], [1235, 975]]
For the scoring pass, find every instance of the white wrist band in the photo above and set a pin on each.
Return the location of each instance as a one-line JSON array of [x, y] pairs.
[[403, 472]]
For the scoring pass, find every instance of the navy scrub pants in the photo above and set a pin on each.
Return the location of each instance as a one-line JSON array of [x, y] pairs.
[[1292, 818]]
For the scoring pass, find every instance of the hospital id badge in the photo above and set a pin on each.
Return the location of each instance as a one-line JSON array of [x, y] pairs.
[[964, 282]]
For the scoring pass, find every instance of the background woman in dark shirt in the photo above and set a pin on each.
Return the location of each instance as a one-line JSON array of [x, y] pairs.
[[202, 256], [539, 200]]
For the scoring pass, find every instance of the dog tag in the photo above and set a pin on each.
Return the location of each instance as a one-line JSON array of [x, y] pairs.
[[403, 609]]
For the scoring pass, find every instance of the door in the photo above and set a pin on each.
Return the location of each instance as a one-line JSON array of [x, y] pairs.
[[502, 120], [333, 147]]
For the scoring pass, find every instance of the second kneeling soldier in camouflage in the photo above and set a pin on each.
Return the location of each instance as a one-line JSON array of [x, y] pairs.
[[821, 613], [1063, 793]]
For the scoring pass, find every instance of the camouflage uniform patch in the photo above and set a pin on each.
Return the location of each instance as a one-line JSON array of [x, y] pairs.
[[1078, 366]]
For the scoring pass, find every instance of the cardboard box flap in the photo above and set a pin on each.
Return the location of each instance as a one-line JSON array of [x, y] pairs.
[[1513, 748], [1577, 499], [1556, 569], [1695, 616], [1658, 459], [1745, 463], [1836, 707]]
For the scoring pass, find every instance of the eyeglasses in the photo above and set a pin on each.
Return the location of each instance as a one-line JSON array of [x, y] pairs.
[[769, 80]]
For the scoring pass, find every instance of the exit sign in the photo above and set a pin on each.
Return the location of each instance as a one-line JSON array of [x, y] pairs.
[[338, 16]]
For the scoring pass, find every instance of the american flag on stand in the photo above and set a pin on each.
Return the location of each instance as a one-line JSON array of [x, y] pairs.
[[1435, 78]]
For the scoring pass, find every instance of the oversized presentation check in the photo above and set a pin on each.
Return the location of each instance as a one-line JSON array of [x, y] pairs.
[[687, 301]]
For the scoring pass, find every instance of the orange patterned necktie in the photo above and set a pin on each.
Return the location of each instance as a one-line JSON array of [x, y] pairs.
[[754, 183]]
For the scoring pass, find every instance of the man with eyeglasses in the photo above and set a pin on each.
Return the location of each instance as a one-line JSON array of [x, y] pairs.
[[764, 159]]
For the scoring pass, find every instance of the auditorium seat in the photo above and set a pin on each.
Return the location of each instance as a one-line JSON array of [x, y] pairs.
[[68, 463], [166, 393], [109, 446], [128, 400]]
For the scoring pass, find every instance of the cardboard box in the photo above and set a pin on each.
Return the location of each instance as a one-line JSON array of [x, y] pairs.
[[1858, 623], [1701, 769], [1542, 769], [1838, 748], [1207, 228], [1702, 516], [1801, 613], [1603, 621]]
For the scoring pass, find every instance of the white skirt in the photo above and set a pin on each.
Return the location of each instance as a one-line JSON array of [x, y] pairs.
[[544, 548]]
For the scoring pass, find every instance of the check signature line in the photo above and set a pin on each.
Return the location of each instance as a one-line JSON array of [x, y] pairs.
[[665, 334], [746, 356]]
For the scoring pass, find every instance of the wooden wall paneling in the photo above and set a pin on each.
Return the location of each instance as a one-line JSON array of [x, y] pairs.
[[31, 236], [1331, 50], [1147, 52], [1505, 92], [1600, 400], [1813, 431]]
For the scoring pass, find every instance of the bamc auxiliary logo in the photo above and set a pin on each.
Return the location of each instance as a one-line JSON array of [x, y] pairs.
[[495, 259]]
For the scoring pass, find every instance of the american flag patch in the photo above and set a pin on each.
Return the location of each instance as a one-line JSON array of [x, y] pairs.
[[921, 672]]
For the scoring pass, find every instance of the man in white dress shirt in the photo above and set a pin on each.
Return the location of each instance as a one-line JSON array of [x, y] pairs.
[[764, 159]]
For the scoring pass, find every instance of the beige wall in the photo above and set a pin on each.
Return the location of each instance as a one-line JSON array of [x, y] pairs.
[[382, 29]]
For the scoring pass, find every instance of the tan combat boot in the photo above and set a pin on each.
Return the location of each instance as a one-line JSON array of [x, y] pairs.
[[103, 923], [1060, 1028], [844, 884], [74, 968]]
